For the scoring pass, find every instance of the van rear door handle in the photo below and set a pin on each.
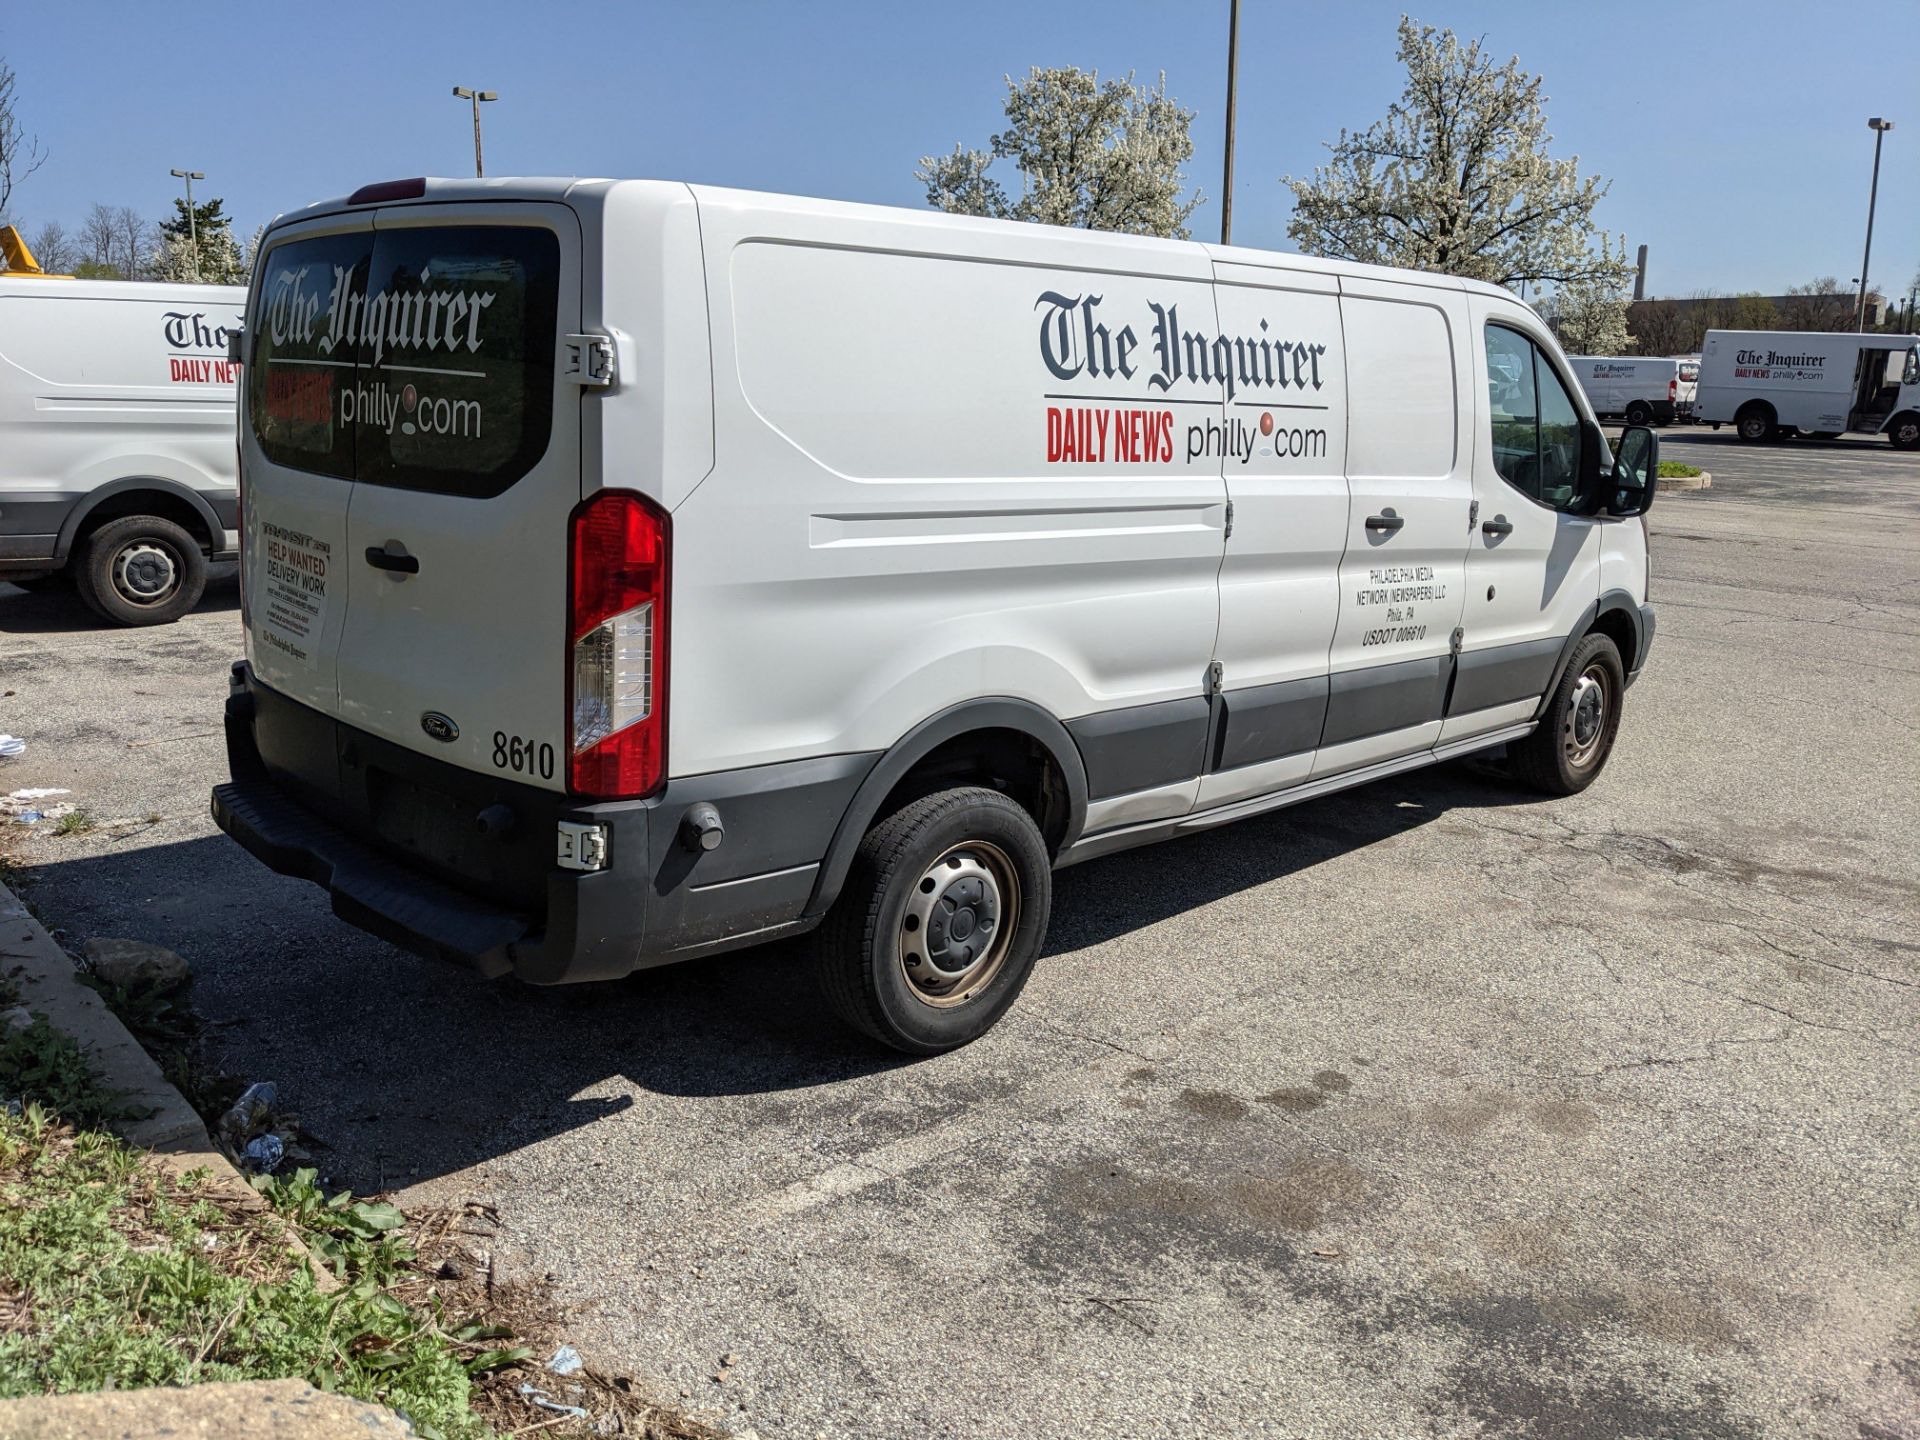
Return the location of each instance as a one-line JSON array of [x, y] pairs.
[[1497, 526], [1388, 522], [381, 558]]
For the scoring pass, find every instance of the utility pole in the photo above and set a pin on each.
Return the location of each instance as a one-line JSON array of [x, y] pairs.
[[476, 96], [193, 228], [1879, 128], [1233, 69]]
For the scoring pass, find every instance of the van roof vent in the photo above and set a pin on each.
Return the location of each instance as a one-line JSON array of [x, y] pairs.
[[389, 190]]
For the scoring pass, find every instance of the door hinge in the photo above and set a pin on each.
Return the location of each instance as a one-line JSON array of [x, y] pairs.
[[1216, 677], [1473, 514], [1229, 534], [589, 360], [1459, 634]]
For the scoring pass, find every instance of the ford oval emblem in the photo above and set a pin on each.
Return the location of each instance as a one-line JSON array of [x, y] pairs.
[[439, 727]]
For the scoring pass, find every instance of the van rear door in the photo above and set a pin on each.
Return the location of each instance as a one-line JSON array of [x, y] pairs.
[[468, 468], [298, 453]]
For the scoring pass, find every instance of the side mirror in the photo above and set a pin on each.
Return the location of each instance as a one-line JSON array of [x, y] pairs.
[[1636, 472]]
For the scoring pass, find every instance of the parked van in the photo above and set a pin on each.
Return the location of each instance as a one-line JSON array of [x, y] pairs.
[[1689, 393], [634, 571], [1771, 384], [1642, 390], [116, 439]]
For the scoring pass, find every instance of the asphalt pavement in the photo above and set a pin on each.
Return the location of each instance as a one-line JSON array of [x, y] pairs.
[[1432, 1109]]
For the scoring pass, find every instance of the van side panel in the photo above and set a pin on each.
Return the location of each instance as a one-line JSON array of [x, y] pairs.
[[944, 471]]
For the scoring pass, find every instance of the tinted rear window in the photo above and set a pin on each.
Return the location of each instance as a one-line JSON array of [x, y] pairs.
[[458, 342], [421, 359], [303, 362]]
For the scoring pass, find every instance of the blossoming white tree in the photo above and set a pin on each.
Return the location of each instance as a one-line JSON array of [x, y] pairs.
[[1092, 155], [1457, 178]]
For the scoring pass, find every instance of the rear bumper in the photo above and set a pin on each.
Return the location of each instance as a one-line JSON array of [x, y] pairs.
[[414, 873]]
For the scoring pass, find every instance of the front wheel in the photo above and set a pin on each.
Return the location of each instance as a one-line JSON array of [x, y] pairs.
[[942, 917], [1569, 748], [1905, 432], [142, 570]]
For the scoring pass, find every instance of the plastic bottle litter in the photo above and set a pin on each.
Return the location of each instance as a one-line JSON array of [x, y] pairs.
[[263, 1154], [11, 745], [546, 1402], [253, 1108], [566, 1361]]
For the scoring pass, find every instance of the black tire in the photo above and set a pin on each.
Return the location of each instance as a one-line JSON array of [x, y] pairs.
[[1639, 414], [141, 570], [1904, 431], [865, 969], [1756, 423], [1562, 756]]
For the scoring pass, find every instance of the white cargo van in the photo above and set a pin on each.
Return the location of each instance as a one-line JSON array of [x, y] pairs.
[[634, 571], [1689, 388], [116, 439], [1771, 384], [1642, 390]]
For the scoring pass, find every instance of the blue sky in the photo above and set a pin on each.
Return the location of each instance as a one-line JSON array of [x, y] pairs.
[[1734, 133]]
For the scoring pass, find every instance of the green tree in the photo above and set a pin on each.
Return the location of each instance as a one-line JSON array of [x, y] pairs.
[[1090, 155], [202, 250], [1457, 178]]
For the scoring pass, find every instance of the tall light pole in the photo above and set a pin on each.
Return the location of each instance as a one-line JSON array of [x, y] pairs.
[[476, 96], [1233, 68], [1879, 128], [193, 228]]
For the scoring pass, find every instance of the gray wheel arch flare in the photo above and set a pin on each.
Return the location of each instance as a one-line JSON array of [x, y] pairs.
[[991, 713], [77, 516], [1611, 603]]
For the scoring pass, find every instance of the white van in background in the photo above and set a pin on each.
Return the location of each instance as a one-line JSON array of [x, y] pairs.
[[634, 571], [1771, 384], [1688, 397], [1637, 388], [116, 439]]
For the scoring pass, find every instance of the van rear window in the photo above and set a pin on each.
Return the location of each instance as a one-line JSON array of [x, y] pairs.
[[458, 343], [301, 366], [421, 359]]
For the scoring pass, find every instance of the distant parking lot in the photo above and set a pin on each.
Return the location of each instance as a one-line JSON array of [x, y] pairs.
[[1429, 1110]]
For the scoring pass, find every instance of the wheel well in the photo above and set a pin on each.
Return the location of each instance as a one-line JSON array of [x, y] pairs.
[[161, 503], [1756, 405], [1618, 627], [1010, 761]]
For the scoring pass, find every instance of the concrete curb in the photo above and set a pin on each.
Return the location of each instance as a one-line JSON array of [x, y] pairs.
[[50, 987], [1685, 482], [246, 1410]]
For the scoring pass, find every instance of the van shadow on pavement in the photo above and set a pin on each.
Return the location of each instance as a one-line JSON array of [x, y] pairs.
[[411, 1068], [55, 607]]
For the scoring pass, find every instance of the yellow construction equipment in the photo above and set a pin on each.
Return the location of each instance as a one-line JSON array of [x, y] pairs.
[[20, 261]]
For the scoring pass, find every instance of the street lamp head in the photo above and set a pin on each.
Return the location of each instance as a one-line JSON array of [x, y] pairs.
[[462, 92], [1876, 123], [495, 95], [188, 174]]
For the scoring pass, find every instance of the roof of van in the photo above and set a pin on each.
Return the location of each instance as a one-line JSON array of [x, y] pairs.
[[438, 190], [121, 289]]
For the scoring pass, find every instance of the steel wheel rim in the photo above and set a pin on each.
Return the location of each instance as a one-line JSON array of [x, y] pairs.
[[146, 573], [959, 923], [1588, 708], [1908, 433]]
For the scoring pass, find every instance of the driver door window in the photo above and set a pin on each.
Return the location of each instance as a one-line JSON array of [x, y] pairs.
[[1535, 425]]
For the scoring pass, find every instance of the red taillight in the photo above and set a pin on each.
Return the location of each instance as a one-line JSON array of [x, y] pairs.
[[617, 549], [1673, 389]]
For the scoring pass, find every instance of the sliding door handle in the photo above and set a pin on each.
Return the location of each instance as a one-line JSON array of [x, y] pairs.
[[393, 562], [1386, 523]]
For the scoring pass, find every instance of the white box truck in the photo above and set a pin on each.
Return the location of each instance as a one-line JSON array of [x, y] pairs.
[[1771, 384], [117, 439], [634, 570], [1637, 388]]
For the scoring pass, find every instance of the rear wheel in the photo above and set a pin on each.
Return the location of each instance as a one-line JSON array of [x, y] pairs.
[[141, 570], [1569, 748], [1639, 414], [1756, 422], [1904, 431], [942, 917]]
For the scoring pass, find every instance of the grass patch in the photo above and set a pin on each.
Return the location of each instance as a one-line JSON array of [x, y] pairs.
[[74, 822], [39, 1064], [1675, 470]]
